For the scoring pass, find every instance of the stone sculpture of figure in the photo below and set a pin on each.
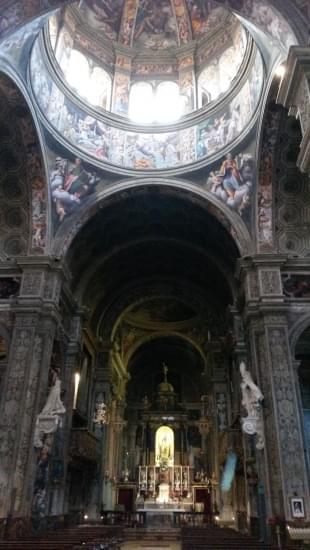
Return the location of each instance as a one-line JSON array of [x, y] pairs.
[[50, 417], [164, 449], [251, 400], [251, 394], [54, 406]]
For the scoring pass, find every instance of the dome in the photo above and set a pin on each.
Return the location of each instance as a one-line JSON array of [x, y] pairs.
[[170, 85], [165, 387], [163, 42]]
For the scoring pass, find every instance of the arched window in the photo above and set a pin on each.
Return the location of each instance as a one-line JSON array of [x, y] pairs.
[[141, 102], [78, 73], [168, 105], [155, 102], [208, 84], [91, 83], [53, 30], [100, 88]]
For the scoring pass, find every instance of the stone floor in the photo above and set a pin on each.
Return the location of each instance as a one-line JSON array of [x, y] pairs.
[[151, 545]]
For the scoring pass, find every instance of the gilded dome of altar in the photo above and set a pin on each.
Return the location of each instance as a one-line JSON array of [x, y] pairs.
[[165, 387]]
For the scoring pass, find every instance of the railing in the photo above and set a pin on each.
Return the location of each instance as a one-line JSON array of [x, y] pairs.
[[128, 519], [191, 519], [84, 444]]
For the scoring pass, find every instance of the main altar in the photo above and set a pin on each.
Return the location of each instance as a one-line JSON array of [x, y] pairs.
[[169, 479]]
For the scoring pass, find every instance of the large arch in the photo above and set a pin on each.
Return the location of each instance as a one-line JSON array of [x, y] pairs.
[[25, 182], [231, 221]]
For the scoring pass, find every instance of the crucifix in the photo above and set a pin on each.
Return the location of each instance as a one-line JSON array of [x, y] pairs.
[[165, 369]]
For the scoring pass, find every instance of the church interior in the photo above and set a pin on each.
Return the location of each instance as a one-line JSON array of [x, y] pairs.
[[154, 274]]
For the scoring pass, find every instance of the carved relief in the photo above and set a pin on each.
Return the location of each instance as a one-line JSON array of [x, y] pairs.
[[293, 467], [253, 289], [31, 285], [271, 447], [10, 417], [270, 282], [19, 481]]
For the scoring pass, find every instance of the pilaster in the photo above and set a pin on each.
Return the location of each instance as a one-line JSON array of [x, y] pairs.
[[36, 316], [266, 322]]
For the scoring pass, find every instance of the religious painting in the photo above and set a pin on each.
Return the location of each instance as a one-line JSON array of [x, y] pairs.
[[204, 16], [155, 25], [128, 21], [17, 45], [160, 310], [103, 15], [70, 184], [143, 150], [233, 182], [297, 507], [164, 447], [296, 285], [182, 20], [9, 286], [265, 179]]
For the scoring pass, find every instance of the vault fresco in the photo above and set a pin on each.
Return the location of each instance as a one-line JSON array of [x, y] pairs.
[[142, 150]]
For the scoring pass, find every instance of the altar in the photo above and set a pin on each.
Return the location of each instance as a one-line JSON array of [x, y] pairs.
[[168, 481]]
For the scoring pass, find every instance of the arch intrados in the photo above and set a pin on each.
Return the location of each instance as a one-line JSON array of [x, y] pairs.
[[37, 177], [160, 335], [85, 280], [72, 226], [107, 322], [297, 330]]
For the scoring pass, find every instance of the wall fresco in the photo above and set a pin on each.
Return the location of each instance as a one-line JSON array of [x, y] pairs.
[[155, 25], [142, 150], [18, 12], [9, 286], [233, 182], [70, 184], [296, 285], [103, 15], [265, 178], [266, 17]]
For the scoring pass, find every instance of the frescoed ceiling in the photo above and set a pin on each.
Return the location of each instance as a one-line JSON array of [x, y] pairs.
[[152, 24]]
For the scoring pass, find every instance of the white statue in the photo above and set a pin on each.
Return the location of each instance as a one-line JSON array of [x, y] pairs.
[[54, 406], [251, 401], [50, 417], [251, 394]]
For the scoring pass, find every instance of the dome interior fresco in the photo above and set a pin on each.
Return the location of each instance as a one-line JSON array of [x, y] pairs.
[[153, 24], [159, 310], [86, 36]]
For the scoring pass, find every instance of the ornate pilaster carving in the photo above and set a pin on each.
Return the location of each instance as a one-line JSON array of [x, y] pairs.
[[36, 317], [284, 458], [287, 416]]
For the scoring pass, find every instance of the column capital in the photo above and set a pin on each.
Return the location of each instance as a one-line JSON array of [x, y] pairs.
[[261, 275]]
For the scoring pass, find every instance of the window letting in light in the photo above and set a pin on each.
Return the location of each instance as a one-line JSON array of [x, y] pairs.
[[91, 82], [155, 103]]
